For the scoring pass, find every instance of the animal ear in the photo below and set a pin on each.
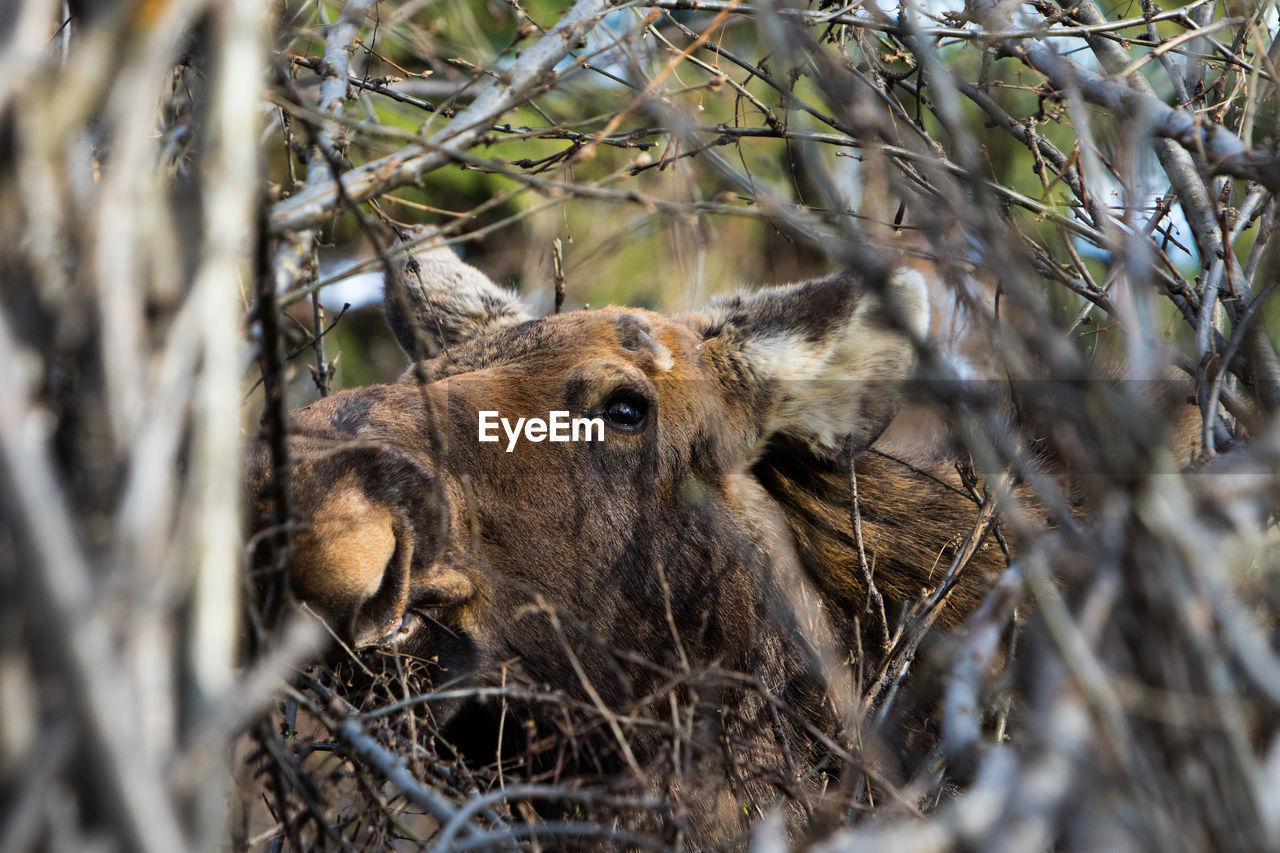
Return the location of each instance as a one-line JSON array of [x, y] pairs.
[[434, 301], [822, 361]]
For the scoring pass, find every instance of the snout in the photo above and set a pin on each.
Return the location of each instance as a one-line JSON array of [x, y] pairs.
[[362, 569], [375, 549], [351, 565], [374, 562]]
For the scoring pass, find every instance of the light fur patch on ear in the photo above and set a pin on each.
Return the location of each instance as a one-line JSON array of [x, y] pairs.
[[435, 301], [909, 300], [833, 373]]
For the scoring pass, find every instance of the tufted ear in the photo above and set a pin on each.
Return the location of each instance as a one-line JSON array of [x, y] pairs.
[[823, 360], [434, 301]]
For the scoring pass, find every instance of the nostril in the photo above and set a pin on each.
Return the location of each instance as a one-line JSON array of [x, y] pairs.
[[351, 562], [381, 616]]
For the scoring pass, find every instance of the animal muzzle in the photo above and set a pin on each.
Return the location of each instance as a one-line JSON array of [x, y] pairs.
[[351, 545], [372, 551], [351, 565]]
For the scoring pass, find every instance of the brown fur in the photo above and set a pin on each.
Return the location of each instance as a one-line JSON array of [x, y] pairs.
[[715, 537], [912, 524]]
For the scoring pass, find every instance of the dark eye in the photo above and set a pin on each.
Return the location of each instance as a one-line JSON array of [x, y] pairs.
[[626, 410]]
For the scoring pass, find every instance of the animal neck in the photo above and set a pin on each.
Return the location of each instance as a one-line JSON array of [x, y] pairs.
[[911, 518]]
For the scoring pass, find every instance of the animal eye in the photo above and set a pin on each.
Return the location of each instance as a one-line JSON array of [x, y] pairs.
[[626, 410]]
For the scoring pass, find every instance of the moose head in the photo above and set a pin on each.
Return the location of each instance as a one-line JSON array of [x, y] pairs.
[[700, 519]]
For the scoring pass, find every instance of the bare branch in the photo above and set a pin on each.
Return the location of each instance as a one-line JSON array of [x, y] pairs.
[[521, 81]]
